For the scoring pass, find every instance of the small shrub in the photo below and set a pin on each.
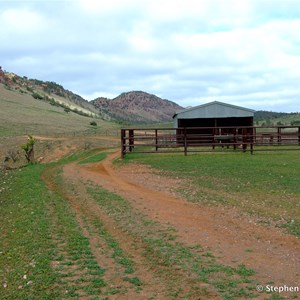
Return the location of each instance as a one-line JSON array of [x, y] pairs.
[[13, 155], [37, 96], [29, 89], [295, 123], [53, 102], [93, 123], [29, 149], [87, 145]]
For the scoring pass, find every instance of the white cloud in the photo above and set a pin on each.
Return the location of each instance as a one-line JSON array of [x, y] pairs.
[[189, 51], [141, 39], [21, 21]]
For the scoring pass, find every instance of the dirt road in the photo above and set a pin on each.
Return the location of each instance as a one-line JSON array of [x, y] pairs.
[[232, 238], [274, 255]]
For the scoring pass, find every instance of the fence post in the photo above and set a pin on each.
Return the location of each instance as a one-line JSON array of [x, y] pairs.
[[214, 133], [123, 143], [185, 141], [156, 141], [131, 140], [234, 138], [279, 136], [244, 139], [251, 139]]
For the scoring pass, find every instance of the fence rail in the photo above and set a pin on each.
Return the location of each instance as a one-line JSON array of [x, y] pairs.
[[205, 139]]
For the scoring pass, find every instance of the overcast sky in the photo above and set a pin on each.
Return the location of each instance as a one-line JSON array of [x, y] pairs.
[[243, 52]]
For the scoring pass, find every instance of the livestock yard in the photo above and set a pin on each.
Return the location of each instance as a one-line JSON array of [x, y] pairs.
[[205, 139]]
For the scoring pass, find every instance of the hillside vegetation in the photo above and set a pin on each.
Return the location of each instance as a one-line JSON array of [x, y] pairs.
[[262, 117], [49, 92], [21, 114]]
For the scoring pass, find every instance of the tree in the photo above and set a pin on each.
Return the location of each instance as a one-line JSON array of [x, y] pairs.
[[29, 149]]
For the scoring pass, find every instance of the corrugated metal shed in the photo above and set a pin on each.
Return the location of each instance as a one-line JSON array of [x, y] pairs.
[[214, 111]]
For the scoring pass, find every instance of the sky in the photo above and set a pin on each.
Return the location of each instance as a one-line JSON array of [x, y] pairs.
[[242, 52]]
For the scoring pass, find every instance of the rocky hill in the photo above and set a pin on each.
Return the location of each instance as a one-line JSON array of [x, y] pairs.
[[50, 92], [131, 107], [137, 107]]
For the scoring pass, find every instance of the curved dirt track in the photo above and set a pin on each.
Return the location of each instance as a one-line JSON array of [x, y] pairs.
[[271, 253], [233, 239]]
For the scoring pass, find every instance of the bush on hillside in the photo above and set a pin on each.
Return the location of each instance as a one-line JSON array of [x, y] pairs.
[[295, 123], [37, 96], [93, 123]]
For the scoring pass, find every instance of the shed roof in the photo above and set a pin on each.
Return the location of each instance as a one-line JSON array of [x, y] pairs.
[[215, 109]]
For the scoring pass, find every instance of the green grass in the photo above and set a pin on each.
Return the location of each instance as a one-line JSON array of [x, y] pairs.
[[265, 184], [94, 158], [27, 249], [43, 247], [82, 157], [118, 254], [109, 245], [293, 227]]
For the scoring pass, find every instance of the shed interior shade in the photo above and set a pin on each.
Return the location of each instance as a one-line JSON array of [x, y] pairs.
[[215, 122]]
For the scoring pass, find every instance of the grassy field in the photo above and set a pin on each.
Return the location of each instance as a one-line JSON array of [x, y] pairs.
[[44, 254], [266, 184]]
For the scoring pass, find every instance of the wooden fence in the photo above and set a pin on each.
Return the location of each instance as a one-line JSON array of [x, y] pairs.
[[206, 139]]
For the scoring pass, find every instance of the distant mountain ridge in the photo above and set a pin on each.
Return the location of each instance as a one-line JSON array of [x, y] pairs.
[[138, 107], [130, 107]]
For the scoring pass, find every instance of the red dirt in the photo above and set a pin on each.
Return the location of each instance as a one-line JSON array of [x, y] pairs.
[[271, 253]]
